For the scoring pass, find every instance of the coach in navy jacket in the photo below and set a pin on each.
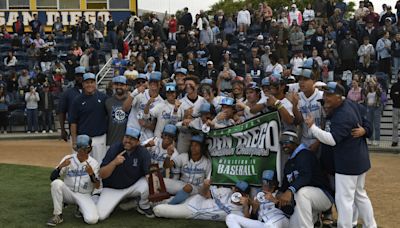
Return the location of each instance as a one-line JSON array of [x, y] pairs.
[[346, 132]]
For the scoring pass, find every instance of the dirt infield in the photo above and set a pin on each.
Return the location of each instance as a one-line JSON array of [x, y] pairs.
[[383, 182]]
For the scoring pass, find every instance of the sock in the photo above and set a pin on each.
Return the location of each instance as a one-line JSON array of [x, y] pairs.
[[179, 197]]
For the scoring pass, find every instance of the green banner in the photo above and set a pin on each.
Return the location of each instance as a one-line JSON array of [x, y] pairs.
[[244, 151]]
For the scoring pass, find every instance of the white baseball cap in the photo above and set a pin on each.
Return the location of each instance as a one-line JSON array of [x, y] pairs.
[[210, 63]]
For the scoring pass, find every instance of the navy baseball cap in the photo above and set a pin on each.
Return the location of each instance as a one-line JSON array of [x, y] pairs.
[[155, 76], [205, 108], [119, 79], [80, 70], [227, 101], [289, 137], [242, 186], [334, 88], [83, 141], [170, 87], [181, 71], [197, 138], [268, 175], [142, 76], [132, 132], [169, 129], [265, 81], [89, 76]]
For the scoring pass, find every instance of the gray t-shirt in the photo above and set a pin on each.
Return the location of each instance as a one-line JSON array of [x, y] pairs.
[[117, 120]]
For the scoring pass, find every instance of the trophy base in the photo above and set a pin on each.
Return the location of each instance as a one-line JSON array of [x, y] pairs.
[[159, 197]]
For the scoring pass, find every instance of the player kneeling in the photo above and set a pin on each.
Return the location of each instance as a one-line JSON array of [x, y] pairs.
[[81, 172], [263, 208], [213, 204]]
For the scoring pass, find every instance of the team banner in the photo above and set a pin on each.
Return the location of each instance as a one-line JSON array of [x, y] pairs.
[[244, 151]]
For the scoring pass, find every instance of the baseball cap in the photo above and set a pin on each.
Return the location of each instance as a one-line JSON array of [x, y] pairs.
[[83, 141], [334, 88], [89, 76], [268, 175], [142, 76], [197, 138], [132, 132], [210, 63], [80, 70], [206, 81], [170, 87], [265, 81], [205, 108], [242, 186], [169, 129], [275, 78], [227, 101], [319, 84], [347, 32], [119, 79], [181, 71], [308, 64], [260, 37], [289, 137], [155, 76], [253, 85], [388, 19], [307, 73]]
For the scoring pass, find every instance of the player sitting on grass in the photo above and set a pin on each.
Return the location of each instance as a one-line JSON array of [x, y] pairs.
[[211, 204], [264, 208], [194, 167], [81, 178]]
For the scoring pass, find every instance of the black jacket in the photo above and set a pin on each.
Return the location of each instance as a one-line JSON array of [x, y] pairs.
[[50, 101], [395, 94]]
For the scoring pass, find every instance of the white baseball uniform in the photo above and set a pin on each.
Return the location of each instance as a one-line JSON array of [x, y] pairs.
[[198, 207], [162, 111], [138, 105], [268, 216], [312, 106], [76, 188], [190, 172], [184, 136], [158, 153]]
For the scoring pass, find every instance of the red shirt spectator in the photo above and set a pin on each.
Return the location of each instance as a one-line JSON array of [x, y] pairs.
[[172, 25]]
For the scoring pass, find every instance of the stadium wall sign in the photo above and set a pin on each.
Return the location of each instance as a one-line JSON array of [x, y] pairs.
[[67, 17], [244, 151]]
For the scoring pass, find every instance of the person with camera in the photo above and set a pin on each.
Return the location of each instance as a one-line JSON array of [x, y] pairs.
[[32, 103]]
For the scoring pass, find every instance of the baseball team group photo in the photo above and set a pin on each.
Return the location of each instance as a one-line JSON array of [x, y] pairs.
[[238, 114]]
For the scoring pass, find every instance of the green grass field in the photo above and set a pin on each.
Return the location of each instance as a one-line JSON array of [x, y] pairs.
[[26, 202]]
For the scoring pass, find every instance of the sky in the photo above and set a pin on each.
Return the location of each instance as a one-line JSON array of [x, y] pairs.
[[196, 5]]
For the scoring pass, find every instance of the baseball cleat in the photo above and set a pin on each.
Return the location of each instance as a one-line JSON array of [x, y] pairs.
[[56, 219], [147, 212]]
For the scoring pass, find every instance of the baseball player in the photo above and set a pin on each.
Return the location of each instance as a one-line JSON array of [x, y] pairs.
[[212, 204], [162, 111], [307, 103], [160, 148], [191, 168], [225, 117], [188, 109], [80, 177], [146, 100], [89, 116], [207, 113], [264, 207], [303, 183], [124, 172]]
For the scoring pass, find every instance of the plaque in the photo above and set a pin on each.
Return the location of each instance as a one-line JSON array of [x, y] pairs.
[[157, 190]]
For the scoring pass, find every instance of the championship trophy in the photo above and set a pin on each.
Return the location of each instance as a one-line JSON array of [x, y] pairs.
[[157, 191]]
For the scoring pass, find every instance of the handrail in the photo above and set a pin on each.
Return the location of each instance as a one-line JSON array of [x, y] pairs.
[[107, 66]]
